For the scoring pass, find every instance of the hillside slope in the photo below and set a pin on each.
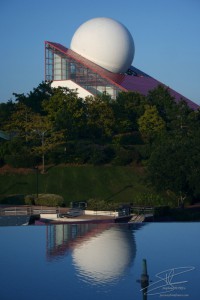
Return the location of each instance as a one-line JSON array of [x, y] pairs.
[[78, 183]]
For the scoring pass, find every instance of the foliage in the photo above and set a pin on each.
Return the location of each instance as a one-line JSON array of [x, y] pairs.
[[34, 134], [20, 160], [66, 111], [127, 108], [20, 119], [6, 110], [34, 99], [149, 199], [43, 137], [100, 117], [78, 183], [100, 204], [49, 200], [56, 126], [123, 156], [175, 163], [150, 123], [29, 200]]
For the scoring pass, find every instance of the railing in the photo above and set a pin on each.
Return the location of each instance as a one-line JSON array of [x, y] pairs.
[[28, 210], [141, 210], [140, 213]]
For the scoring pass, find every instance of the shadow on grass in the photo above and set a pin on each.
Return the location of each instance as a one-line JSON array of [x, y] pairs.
[[119, 192], [12, 199], [13, 185]]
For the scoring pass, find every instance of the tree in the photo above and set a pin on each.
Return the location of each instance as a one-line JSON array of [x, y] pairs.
[[43, 137], [150, 123], [127, 108], [34, 99], [100, 117], [67, 112], [32, 132], [19, 121], [164, 102], [174, 165], [6, 110]]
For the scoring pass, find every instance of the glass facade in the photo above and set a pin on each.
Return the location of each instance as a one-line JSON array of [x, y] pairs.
[[59, 66]]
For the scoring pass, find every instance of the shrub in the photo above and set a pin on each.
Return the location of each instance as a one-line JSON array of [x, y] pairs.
[[128, 139], [149, 200], [56, 157], [20, 161], [100, 204], [29, 200], [49, 200], [109, 153], [98, 156], [123, 157]]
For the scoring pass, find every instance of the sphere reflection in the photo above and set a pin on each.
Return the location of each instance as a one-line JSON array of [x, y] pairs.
[[105, 257]]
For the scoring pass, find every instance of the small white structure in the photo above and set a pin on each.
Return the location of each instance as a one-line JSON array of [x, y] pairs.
[[72, 86]]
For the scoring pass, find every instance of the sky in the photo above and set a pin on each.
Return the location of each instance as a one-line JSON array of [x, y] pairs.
[[166, 34]]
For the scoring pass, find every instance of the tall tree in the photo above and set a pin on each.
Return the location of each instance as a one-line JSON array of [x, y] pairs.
[[127, 108], [6, 110], [150, 123], [67, 112], [33, 131], [19, 121], [164, 102], [35, 98], [43, 137], [175, 164], [100, 117]]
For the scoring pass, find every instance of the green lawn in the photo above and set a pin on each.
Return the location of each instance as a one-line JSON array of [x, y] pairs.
[[120, 184]]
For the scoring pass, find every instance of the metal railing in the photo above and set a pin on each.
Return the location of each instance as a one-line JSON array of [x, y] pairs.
[[28, 210]]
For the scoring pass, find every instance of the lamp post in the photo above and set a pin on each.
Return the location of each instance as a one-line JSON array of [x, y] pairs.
[[36, 168]]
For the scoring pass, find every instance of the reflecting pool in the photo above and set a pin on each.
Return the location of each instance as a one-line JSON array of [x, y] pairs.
[[100, 261]]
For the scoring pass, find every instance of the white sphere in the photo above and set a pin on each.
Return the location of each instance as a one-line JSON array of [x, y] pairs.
[[105, 42]]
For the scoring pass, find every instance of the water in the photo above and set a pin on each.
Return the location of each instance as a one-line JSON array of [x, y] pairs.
[[100, 261]]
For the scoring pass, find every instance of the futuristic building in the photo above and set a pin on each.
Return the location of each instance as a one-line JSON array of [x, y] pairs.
[[99, 60]]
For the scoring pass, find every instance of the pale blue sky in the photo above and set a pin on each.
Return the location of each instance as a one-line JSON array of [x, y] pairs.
[[166, 35]]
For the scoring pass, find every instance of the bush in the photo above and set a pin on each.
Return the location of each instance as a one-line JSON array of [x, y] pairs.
[[98, 156], [82, 152], [29, 200], [109, 153], [149, 200], [56, 157], [123, 157], [49, 200], [20, 161], [144, 151], [100, 204], [128, 139]]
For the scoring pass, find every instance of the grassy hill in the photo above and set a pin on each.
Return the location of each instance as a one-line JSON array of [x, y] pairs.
[[79, 183]]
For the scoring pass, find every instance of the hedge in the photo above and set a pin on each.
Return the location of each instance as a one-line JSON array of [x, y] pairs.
[[44, 200]]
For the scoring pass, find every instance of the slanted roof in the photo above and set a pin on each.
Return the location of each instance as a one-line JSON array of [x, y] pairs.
[[141, 82]]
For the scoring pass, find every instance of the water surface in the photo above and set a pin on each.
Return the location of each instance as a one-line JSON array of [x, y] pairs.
[[99, 261]]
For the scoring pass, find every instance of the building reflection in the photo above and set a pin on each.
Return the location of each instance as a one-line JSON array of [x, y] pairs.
[[101, 253]]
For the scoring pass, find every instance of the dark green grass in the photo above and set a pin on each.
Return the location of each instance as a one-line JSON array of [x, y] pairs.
[[118, 184]]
